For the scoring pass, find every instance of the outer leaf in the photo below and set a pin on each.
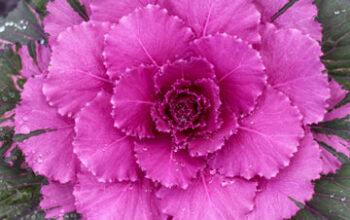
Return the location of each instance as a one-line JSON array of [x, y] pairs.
[[332, 192], [19, 188], [335, 18], [19, 191], [40, 6], [21, 25], [338, 126], [331, 199], [10, 64]]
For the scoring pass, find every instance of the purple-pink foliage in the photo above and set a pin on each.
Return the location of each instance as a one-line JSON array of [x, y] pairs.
[[195, 109]]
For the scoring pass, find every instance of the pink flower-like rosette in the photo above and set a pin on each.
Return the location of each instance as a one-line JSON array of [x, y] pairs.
[[190, 109]]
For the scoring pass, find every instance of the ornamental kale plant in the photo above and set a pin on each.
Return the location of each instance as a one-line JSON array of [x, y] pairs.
[[179, 109]]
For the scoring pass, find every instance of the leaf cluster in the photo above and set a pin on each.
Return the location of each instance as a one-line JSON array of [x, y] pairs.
[[20, 187]]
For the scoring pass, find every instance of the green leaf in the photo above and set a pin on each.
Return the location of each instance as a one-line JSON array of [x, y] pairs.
[[10, 65], [19, 191], [20, 188], [10, 62], [9, 118], [335, 19], [331, 199], [6, 133], [40, 7], [21, 25], [339, 127], [20, 82]]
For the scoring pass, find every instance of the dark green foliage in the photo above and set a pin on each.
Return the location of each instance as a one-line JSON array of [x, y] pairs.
[[19, 189], [334, 15], [10, 66], [40, 6], [339, 127]]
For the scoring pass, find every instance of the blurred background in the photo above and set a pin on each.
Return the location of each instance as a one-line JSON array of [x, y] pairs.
[[7, 6]]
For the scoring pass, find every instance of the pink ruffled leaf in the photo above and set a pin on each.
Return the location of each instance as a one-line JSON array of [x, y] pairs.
[[56, 21], [112, 11], [265, 141], [76, 73], [133, 98], [274, 199], [161, 162], [58, 199], [209, 197], [50, 154], [103, 149], [235, 17], [238, 67], [146, 36], [299, 16], [293, 66], [118, 200]]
